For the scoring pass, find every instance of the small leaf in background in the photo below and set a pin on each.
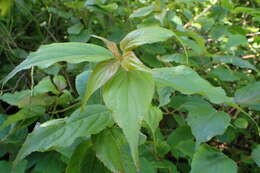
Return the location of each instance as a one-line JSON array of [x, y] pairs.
[[205, 121], [60, 133], [249, 96], [225, 74], [16, 98], [81, 82], [142, 12], [165, 165], [75, 29], [83, 36], [241, 123], [256, 155], [112, 149], [101, 74], [45, 86], [164, 94], [153, 118], [234, 61], [129, 94], [178, 140], [60, 82], [176, 57], [23, 114], [187, 81], [146, 35], [210, 160], [47, 55]]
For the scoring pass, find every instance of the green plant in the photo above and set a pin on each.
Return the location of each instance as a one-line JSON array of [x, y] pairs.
[[141, 107]]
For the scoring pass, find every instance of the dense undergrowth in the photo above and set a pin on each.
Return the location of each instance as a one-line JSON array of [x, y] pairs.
[[100, 86]]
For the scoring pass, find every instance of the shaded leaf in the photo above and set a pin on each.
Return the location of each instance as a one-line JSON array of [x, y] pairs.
[[25, 113], [44, 86], [112, 149], [205, 121], [77, 160], [248, 95], [256, 155], [211, 161]]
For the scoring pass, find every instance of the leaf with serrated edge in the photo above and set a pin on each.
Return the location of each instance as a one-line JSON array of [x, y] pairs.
[[129, 94]]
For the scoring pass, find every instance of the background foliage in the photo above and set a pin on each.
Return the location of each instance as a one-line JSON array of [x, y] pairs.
[[209, 58]]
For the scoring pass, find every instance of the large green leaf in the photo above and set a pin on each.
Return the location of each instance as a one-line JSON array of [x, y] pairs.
[[209, 160], [249, 95], [63, 132], [205, 121], [129, 94], [56, 52], [145, 35], [102, 73], [112, 149], [187, 81]]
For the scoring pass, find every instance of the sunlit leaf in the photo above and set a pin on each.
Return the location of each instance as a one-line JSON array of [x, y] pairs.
[[129, 94]]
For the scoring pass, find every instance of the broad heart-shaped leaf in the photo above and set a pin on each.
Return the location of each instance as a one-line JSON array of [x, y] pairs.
[[209, 160], [102, 73], [63, 132], [205, 121], [146, 35], [129, 94], [249, 95], [70, 52], [256, 155], [112, 149], [187, 81]]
